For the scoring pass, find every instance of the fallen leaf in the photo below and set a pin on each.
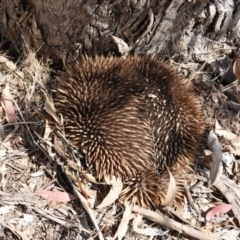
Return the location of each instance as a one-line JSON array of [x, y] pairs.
[[7, 104], [12, 66], [59, 147], [82, 187], [1, 126], [72, 164], [50, 108], [123, 47], [6, 209], [89, 177], [218, 211], [216, 166], [234, 148], [56, 196], [207, 152], [170, 196], [228, 159], [215, 97], [1, 111], [85, 206], [226, 134], [236, 67], [47, 131], [3, 59], [217, 125], [123, 226], [114, 193], [20, 74]]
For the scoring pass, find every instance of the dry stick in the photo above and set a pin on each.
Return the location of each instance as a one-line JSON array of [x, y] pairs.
[[172, 224], [190, 200], [85, 206], [30, 134], [53, 218]]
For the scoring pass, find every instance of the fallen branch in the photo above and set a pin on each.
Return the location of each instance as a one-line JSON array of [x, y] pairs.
[[157, 218]]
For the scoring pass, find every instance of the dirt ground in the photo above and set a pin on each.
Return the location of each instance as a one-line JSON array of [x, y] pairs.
[[43, 195]]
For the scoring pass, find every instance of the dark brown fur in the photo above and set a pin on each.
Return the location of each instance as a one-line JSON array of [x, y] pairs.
[[131, 117]]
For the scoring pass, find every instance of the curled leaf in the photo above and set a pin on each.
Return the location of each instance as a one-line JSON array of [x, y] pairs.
[[114, 193], [171, 191]]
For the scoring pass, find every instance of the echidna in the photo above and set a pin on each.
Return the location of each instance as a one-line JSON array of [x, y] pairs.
[[131, 117]]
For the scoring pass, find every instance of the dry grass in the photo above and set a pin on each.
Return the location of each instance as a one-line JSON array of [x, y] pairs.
[[35, 156]]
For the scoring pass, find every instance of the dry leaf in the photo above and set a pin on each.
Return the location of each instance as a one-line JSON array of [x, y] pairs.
[[218, 211], [56, 196], [223, 133], [86, 206], [236, 67], [123, 47], [216, 166], [1, 126], [228, 159], [7, 104], [59, 148], [233, 138], [123, 226], [207, 152], [89, 177], [171, 191], [114, 193], [47, 131], [12, 66], [82, 187], [233, 150], [3, 59], [226, 134], [50, 108], [71, 164], [20, 74]]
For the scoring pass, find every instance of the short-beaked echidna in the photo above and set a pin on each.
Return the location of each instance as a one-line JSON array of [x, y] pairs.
[[131, 117]]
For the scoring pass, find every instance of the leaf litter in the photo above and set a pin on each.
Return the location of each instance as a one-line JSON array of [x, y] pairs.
[[45, 186]]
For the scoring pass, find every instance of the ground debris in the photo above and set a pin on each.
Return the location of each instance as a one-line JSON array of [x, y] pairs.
[[40, 172]]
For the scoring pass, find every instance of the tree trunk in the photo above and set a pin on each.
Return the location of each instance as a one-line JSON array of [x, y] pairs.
[[203, 31]]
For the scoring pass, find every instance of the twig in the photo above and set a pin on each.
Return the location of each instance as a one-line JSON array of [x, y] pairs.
[[85, 206], [53, 218], [190, 200], [172, 224]]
